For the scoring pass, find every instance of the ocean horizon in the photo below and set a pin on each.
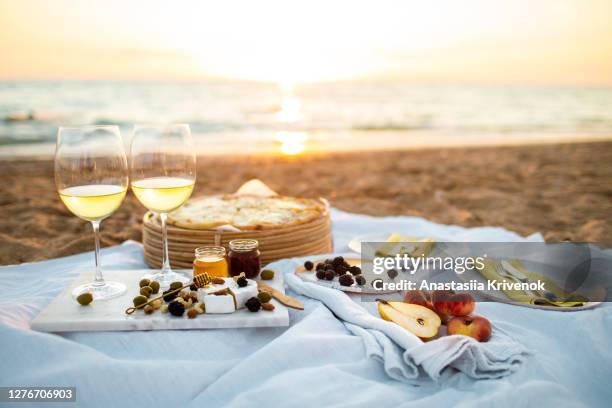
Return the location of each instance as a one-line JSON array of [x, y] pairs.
[[268, 118]]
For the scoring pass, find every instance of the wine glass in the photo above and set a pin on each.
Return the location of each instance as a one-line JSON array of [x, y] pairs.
[[91, 176], [163, 172]]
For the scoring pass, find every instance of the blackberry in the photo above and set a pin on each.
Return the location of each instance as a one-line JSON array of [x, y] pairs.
[[392, 273], [360, 280], [253, 304], [242, 282], [176, 308], [329, 275], [338, 261], [321, 274], [320, 266], [346, 279], [355, 270], [308, 265], [169, 297]]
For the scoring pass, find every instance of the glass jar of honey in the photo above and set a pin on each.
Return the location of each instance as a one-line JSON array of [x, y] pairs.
[[244, 257], [210, 259]]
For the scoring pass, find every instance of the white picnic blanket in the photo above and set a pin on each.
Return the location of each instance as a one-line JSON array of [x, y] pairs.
[[317, 361], [403, 355]]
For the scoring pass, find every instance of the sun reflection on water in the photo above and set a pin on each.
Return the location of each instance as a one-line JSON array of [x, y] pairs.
[[291, 143], [290, 109]]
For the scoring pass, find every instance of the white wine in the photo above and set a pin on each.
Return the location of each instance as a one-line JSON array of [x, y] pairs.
[[93, 202], [163, 194]]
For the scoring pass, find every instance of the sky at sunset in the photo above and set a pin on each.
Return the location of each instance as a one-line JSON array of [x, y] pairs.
[[447, 41]]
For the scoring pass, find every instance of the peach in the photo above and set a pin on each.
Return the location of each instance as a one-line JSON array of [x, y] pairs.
[[476, 327], [448, 303], [419, 297]]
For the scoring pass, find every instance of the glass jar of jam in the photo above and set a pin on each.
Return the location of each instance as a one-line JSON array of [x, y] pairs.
[[244, 257], [210, 259]]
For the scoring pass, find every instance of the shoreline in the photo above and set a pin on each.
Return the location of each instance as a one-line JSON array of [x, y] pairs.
[[560, 190], [323, 143]]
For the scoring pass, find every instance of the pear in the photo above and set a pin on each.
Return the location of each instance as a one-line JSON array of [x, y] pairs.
[[418, 320]]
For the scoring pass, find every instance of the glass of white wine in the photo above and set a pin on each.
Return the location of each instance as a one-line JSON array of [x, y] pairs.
[[91, 176], [163, 173]]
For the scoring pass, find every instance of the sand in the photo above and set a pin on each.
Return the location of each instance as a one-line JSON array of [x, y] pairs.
[[563, 191]]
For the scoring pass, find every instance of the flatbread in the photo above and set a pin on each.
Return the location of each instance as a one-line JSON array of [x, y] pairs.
[[246, 212]]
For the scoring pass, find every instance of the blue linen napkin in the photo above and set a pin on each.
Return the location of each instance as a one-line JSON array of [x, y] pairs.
[[404, 356]]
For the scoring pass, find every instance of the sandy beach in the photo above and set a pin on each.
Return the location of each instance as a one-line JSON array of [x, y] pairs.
[[562, 191]]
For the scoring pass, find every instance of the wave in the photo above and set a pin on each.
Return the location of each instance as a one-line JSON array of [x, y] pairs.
[[30, 112], [32, 116], [389, 127], [7, 140]]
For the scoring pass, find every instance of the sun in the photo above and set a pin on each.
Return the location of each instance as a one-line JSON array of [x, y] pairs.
[[283, 62], [283, 52]]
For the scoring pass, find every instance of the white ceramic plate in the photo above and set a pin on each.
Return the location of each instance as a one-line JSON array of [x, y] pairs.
[[471, 274], [355, 243], [334, 284]]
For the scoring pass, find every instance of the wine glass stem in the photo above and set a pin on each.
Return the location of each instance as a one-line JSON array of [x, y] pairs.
[[165, 259], [99, 279]]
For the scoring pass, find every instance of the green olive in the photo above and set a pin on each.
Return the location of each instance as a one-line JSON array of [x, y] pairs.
[[146, 291], [85, 298], [144, 282], [139, 300], [155, 286], [264, 297], [267, 274], [176, 285]]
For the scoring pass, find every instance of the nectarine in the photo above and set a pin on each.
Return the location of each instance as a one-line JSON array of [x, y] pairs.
[[448, 303], [476, 327], [419, 297]]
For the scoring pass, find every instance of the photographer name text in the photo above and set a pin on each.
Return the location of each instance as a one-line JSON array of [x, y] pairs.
[[491, 285]]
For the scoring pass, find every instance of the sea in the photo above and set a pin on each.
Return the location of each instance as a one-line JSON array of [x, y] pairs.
[[249, 117]]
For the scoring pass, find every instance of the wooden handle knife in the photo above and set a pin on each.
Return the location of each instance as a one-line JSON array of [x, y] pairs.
[[280, 296]]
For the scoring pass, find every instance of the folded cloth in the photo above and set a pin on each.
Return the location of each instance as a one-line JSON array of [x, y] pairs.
[[404, 356], [560, 297]]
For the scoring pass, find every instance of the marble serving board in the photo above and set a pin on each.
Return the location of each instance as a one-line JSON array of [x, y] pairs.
[[64, 314]]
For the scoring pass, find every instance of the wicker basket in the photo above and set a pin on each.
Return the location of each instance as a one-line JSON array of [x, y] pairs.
[[310, 238]]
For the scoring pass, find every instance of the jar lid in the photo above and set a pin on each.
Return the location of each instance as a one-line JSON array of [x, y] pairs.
[[210, 251], [243, 245]]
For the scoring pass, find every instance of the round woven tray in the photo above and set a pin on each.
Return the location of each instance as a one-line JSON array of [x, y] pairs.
[[310, 238]]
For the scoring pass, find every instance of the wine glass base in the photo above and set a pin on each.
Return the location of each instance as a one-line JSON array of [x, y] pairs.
[[166, 278], [108, 290]]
